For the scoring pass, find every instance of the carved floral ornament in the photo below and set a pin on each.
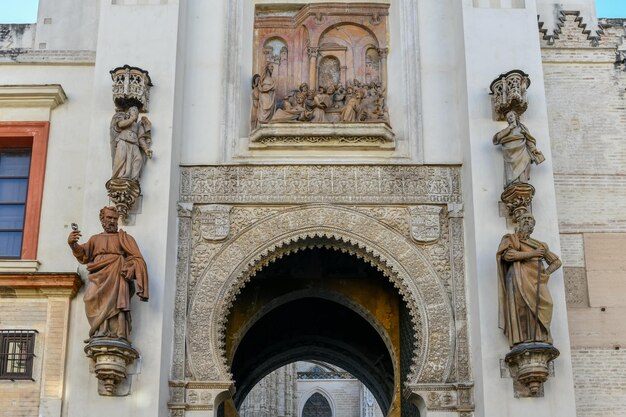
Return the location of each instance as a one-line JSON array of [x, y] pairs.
[[235, 264]]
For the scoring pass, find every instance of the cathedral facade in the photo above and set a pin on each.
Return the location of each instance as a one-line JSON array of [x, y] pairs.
[[421, 201]]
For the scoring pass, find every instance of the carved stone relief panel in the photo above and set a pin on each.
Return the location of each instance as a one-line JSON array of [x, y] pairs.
[[322, 64]]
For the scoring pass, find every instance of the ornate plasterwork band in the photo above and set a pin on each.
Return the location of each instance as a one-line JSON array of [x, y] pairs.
[[411, 273], [296, 184]]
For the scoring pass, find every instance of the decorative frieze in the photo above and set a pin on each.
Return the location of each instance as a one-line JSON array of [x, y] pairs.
[[347, 184], [322, 135]]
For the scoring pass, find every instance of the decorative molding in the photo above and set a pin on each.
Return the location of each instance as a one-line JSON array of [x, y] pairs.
[[443, 397], [40, 284], [348, 184], [32, 95], [18, 265], [529, 366], [508, 93], [314, 135]]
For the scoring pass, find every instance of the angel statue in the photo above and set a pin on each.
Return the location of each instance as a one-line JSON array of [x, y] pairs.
[[130, 143]]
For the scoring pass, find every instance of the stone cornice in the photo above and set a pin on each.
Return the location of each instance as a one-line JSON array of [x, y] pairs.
[[32, 95], [40, 284]]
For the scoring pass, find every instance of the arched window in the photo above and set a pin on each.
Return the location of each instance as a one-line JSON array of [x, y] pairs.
[[317, 406]]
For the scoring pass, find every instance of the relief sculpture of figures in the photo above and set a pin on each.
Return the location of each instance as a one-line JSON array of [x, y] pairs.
[[116, 270], [254, 121], [519, 150], [525, 304], [130, 143], [267, 91]]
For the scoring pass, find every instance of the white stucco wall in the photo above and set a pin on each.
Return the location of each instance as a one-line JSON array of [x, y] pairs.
[[143, 36], [66, 162], [513, 44]]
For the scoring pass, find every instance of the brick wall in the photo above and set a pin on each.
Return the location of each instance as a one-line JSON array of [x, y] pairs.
[[600, 382], [585, 91], [21, 398]]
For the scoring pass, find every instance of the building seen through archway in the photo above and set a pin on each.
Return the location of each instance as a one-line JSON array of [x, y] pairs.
[[322, 305], [310, 389]]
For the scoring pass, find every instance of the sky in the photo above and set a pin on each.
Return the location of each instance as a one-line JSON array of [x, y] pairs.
[[25, 11]]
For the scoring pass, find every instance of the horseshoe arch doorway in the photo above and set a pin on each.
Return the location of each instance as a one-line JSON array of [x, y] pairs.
[[319, 303]]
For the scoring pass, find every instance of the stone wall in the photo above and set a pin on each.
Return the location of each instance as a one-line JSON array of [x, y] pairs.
[[585, 89]]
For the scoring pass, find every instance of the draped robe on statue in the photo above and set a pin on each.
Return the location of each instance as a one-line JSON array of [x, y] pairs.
[[108, 293], [518, 151], [520, 284]]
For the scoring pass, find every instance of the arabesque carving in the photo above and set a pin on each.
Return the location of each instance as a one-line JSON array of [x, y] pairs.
[[268, 222], [347, 184]]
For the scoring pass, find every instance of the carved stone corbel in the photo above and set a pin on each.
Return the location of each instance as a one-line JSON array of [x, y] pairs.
[[111, 358], [508, 93], [529, 366], [518, 199]]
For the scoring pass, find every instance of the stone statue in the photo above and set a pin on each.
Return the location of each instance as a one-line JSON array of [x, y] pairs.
[[115, 264], [254, 121], [519, 150], [352, 109], [267, 91], [525, 304], [130, 141], [292, 113]]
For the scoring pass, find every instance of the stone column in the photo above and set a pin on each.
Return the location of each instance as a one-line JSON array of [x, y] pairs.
[[313, 52], [382, 54]]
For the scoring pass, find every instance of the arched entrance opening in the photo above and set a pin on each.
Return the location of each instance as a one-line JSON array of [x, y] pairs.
[[318, 303]]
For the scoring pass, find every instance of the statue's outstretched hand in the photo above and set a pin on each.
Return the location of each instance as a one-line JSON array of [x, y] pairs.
[[73, 237]]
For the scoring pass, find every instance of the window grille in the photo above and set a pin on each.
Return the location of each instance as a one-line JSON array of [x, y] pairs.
[[17, 350]]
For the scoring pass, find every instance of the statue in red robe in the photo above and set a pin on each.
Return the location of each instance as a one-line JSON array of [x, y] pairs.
[[115, 265]]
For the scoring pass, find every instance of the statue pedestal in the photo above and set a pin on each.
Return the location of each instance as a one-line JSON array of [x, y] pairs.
[[123, 193], [518, 199], [111, 358], [529, 367]]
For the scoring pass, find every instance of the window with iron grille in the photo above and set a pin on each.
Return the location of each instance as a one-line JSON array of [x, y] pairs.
[[17, 350]]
